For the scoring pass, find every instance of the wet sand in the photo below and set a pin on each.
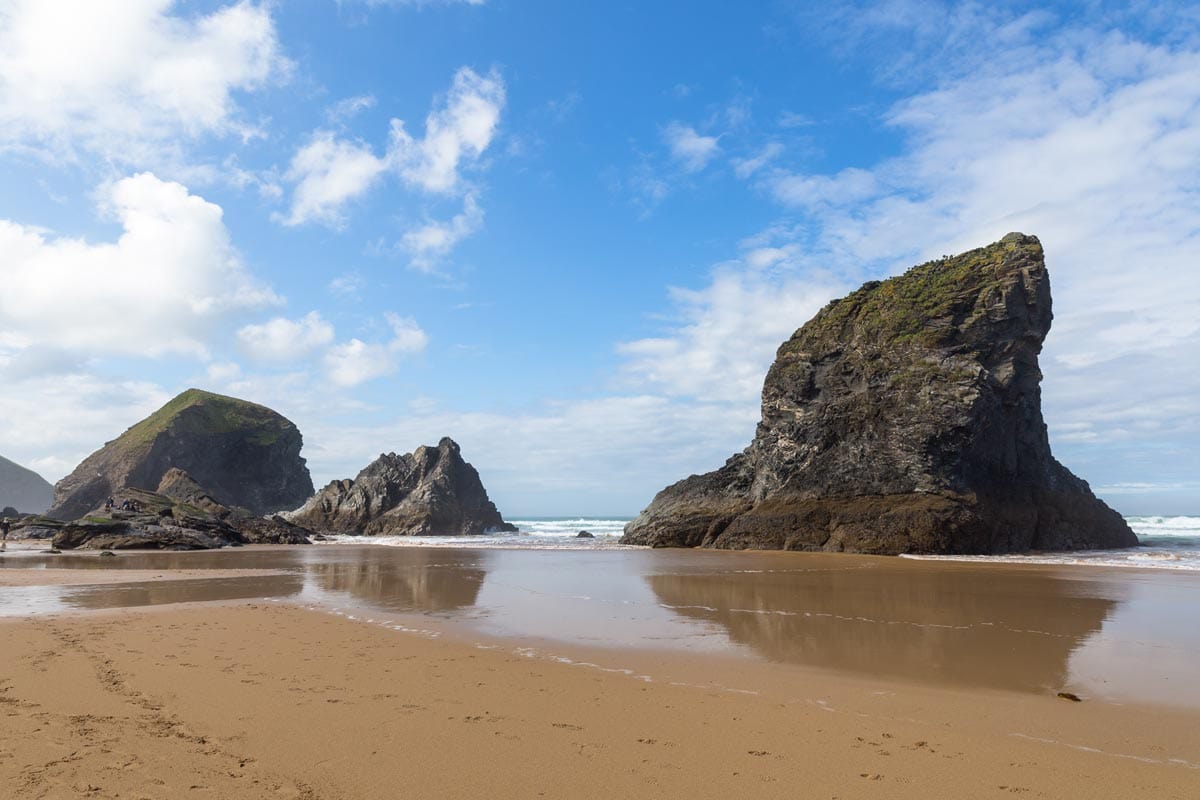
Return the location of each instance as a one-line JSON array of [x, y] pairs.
[[459, 673]]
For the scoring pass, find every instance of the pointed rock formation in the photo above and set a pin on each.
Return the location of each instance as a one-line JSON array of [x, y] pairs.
[[23, 489], [903, 418], [430, 492], [243, 454]]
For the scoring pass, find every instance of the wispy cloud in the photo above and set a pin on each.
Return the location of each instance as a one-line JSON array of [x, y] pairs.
[[688, 148]]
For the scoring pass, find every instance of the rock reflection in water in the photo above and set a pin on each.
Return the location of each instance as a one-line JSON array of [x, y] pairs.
[[404, 579], [154, 593], [1006, 631]]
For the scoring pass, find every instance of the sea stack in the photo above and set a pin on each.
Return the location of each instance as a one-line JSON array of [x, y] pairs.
[[243, 454], [23, 489], [429, 492], [903, 418]]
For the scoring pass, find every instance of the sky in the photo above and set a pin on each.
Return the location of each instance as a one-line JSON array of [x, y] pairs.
[[571, 235]]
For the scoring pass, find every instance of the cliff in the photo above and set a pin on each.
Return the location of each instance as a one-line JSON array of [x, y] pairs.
[[429, 492], [23, 489], [243, 454], [903, 418]]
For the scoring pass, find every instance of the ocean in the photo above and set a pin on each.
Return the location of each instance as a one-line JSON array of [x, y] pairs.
[[1167, 542]]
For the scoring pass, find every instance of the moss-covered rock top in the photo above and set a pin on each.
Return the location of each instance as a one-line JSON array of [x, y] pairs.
[[923, 304], [196, 411]]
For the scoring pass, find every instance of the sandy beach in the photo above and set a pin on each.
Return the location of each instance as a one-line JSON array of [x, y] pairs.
[[276, 699]]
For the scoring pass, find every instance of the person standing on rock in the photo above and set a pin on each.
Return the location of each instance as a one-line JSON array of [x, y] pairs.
[[5, 524]]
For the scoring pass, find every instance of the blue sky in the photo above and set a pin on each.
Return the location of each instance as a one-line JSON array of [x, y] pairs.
[[571, 235]]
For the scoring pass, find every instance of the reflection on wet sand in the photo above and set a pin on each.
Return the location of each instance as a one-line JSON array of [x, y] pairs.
[[1004, 630], [412, 580], [125, 595]]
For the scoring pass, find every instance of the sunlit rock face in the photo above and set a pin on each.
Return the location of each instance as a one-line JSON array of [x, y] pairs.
[[903, 418], [429, 492]]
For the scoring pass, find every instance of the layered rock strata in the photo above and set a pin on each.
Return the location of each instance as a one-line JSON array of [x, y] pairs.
[[429, 492], [903, 418]]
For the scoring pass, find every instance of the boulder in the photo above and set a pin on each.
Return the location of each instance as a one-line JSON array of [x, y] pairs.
[[243, 455], [903, 418], [429, 492], [189, 520]]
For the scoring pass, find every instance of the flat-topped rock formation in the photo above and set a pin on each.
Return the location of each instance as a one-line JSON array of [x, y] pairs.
[[429, 492], [23, 489], [903, 418], [243, 454]]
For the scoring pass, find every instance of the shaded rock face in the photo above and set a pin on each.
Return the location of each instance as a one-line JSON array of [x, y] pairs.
[[429, 492], [903, 418], [243, 454], [23, 489]]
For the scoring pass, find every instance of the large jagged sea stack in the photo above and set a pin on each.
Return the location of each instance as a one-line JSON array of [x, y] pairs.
[[429, 492], [903, 418], [243, 454]]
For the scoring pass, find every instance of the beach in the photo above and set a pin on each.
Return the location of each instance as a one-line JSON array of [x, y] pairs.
[[381, 672]]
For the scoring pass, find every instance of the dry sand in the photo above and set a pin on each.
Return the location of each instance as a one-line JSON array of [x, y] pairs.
[[269, 700]]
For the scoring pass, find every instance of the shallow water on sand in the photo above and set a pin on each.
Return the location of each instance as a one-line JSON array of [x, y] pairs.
[[1124, 635]]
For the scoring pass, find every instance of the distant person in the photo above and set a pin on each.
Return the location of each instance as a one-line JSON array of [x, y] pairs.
[[5, 525], [108, 504]]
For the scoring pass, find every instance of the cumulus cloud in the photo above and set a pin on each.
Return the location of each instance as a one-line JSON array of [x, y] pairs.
[[128, 79], [329, 172], [281, 340], [161, 287], [456, 134], [691, 150], [725, 335], [354, 362], [434, 240]]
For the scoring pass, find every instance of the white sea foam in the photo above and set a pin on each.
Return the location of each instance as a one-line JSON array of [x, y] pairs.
[[1166, 543], [559, 533]]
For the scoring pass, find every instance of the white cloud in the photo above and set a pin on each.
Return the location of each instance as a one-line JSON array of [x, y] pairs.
[[281, 340], [329, 172], [726, 335], [434, 240], [689, 148], [648, 441], [745, 167], [354, 362], [347, 284], [348, 107], [50, 423], [458, 133], [848, 186], [223, 372], [162, 287], [128, 79]]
